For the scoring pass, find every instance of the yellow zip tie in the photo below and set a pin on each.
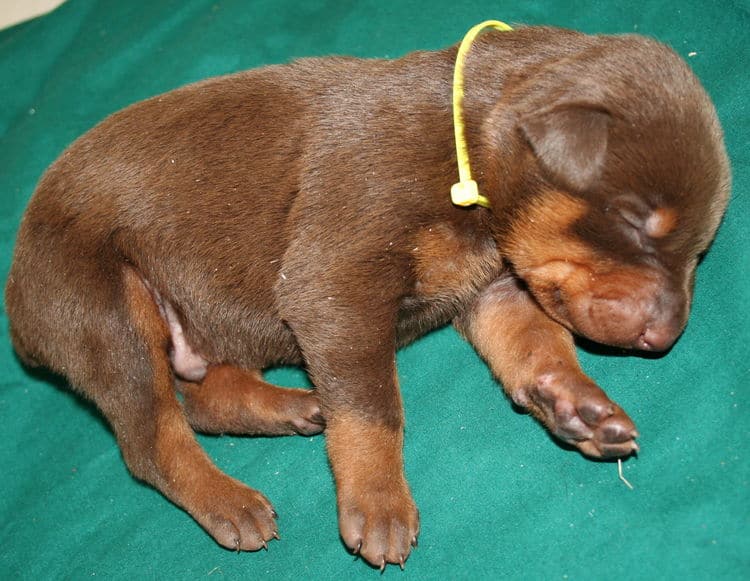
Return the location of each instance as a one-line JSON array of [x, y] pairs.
[[466, 191]]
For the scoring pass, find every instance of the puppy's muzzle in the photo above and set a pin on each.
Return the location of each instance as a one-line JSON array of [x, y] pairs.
[[644, 314], [635, 308]]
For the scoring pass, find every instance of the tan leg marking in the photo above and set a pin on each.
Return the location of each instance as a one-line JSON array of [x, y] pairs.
[[161, 449], [234, 401], [535, 359], [377, 515]]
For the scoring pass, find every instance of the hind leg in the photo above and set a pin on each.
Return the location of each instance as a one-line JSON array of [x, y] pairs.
[[158, 444], [234, 401]]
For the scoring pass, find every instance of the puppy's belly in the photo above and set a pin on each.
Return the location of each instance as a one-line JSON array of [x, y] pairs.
[[190, 364], [417, 316]]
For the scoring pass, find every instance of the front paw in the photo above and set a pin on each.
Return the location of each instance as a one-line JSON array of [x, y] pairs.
[[578, 412], [380, 524]]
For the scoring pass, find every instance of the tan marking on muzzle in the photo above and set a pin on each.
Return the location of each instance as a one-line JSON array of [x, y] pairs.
[[548, 219]]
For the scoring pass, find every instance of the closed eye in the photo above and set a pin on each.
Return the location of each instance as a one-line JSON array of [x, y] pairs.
[[632, 226], [631, 218]]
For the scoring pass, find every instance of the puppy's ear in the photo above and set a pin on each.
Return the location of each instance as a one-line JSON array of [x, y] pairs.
[[570, 142]]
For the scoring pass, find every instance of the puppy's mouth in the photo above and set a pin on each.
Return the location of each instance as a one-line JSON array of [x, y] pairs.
[[634, 308]]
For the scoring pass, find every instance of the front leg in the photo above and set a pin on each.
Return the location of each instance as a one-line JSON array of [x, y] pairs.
[[378, 518], [534, 358], [347, 335]]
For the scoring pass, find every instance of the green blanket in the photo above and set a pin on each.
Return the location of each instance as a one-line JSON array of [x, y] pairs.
[[498, 497]]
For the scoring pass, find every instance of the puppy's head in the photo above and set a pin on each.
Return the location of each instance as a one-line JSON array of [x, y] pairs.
[[626, 180]]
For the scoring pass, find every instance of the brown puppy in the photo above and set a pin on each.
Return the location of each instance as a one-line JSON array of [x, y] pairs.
[[301, 214]]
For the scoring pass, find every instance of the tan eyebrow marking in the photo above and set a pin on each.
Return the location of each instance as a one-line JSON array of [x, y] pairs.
[[661, 222]]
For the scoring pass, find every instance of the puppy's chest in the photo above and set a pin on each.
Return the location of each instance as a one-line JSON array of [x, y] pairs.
[[448, 269]]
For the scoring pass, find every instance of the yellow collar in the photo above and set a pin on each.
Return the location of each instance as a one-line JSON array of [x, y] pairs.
[[466, 191]]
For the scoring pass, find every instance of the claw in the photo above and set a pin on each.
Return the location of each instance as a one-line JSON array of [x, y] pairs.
[[264, 546], [274, 514], [276, 536], [401, 562], [382, 566], [414, 542], [359, 546]]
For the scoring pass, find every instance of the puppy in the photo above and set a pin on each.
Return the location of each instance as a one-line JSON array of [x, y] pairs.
[[301, 214]]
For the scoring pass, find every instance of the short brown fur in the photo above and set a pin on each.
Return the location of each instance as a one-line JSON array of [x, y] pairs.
[[300, 214], [229, 400]]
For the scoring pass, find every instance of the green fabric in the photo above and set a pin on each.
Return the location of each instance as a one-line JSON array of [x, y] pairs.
[[498, 498]]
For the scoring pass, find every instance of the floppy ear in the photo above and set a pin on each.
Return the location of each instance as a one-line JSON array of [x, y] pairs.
[[570, 142]]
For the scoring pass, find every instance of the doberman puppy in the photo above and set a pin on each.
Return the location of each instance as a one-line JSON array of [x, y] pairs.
[[300, 214]]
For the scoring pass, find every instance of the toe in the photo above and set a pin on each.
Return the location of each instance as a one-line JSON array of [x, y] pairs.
[[381, 536], [241, 519]]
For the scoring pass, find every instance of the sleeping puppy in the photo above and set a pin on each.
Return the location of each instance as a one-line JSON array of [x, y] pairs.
[[300, 214]]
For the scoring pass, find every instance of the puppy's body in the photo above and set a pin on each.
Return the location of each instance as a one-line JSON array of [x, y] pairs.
[[301, 214]]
